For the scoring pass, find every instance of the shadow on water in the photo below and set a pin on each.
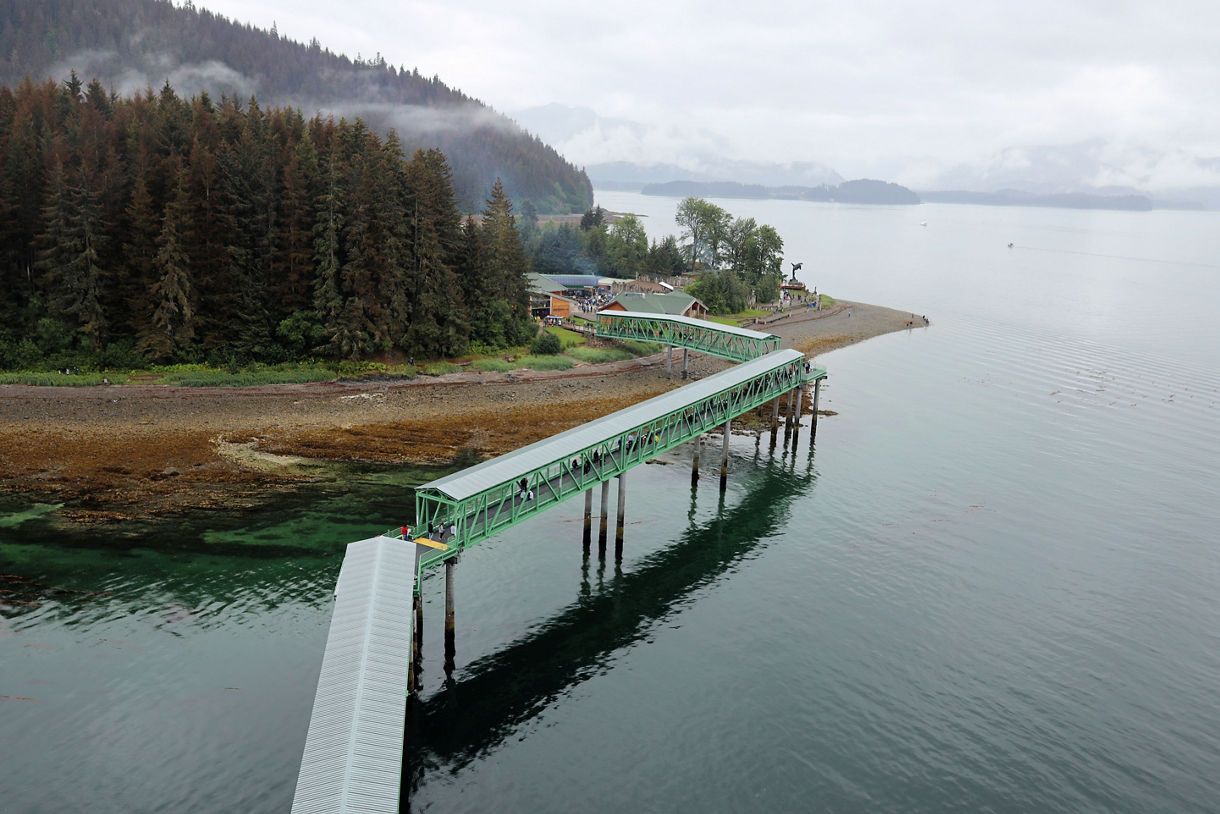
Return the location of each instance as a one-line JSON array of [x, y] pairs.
[[498, 693]]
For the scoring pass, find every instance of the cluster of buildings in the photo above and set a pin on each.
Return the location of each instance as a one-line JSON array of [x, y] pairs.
[[562, 297]]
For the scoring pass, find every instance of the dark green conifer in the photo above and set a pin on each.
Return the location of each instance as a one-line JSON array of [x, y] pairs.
[[171, 324]]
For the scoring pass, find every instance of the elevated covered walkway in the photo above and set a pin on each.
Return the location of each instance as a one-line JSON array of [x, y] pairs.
[[725, 341], [467, 507]]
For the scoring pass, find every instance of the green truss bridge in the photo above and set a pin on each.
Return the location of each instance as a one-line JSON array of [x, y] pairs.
[[467, 507], [725, 341], [353, 751]]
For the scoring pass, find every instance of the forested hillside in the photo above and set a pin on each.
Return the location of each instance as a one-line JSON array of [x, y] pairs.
[[130, 45], [178, 229]]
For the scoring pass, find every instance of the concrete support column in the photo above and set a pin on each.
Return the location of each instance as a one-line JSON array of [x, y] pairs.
[[813, 429], [601, 531], [774, 419], [588, 519], [685, 361], [796, 420], [694, 464], [450, 592], [724, 457], [622, 511]]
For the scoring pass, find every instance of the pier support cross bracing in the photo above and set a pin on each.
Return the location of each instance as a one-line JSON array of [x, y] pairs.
[[487, 498]]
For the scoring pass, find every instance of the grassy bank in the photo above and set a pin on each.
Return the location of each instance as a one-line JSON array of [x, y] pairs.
[[575, 349]]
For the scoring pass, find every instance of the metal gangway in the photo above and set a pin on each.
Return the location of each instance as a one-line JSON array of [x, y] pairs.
[[353, 752]]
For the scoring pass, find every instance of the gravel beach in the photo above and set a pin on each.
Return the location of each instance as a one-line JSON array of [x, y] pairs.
[[117, 452]]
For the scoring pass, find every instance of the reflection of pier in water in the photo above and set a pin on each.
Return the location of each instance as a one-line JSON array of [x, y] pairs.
[[498, 693]]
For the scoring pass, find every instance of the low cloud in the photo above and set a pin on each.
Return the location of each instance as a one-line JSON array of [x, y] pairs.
[[187, 79]]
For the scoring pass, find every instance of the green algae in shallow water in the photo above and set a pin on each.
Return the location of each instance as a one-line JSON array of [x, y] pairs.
[[10, 519]]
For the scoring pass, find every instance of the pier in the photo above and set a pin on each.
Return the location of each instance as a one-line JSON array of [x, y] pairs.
[[353, 753]]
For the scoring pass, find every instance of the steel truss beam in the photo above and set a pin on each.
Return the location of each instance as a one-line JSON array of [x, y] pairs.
[[724, 341], [501, 506]]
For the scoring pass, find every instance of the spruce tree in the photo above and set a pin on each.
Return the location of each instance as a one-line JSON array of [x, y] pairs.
[[438, 325], [69, 261], [171, 324], [507, 267]]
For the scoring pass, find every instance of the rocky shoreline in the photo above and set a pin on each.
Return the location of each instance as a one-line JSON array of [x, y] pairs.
[[121, 452]]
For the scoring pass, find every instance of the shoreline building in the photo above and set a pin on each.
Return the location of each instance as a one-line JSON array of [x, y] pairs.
[[677, 303]]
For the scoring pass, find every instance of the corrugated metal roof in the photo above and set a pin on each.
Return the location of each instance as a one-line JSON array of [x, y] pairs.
[[673, 303], [542, 283], [509, 467], [698, 323], [353, 752], [574, 280]]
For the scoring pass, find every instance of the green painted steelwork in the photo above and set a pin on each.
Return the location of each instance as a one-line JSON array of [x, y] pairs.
[[727, 342], [468, 507]]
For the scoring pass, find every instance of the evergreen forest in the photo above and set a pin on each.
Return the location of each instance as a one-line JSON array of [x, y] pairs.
[[162, 228]]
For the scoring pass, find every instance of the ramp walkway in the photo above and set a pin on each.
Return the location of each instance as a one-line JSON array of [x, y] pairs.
[[353, 752], [725, 341], [467, 507]]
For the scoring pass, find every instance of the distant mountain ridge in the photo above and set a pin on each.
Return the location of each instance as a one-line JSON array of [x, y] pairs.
[[862, 191], [131, 45], [609, 148]]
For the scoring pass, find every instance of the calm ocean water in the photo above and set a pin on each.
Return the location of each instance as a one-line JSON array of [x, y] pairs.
[[991, 584]]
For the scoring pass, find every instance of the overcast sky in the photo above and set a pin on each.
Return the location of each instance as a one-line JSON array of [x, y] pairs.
[[902, 90]]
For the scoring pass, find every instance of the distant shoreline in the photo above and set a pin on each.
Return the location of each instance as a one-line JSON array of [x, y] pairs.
[[1133, 202]]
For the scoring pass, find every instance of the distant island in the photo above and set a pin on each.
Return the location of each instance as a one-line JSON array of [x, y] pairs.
[[862, 191]]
